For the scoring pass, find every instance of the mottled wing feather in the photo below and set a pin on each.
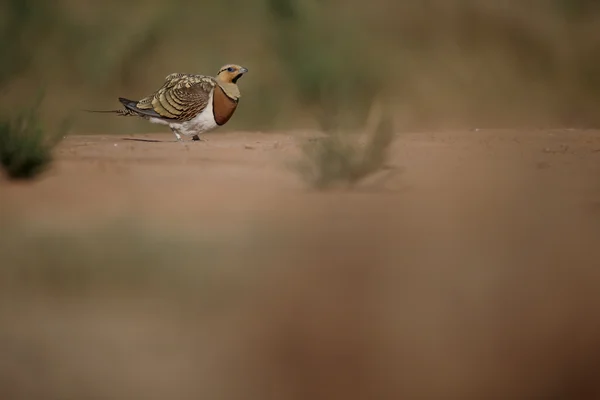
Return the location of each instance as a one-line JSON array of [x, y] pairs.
[[181, 97]]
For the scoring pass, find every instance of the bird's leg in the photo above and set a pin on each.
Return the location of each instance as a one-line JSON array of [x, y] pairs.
[[177, 135], [197, 138]]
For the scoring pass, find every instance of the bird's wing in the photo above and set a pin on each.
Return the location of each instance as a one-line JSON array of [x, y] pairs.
[[181, 97]]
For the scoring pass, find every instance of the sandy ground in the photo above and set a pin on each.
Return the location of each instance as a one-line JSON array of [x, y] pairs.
[[469, 269], [242, 175]]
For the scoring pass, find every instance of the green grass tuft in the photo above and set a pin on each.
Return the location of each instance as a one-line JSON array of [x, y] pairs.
[[341, 159], [25, 146]]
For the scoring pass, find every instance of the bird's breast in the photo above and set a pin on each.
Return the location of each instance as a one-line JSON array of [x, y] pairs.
[[223, 106]]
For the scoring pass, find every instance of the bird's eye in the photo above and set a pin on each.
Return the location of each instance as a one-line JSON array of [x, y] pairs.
[[230, 69]]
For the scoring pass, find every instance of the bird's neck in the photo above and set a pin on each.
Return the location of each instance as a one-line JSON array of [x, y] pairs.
[[231, 89]]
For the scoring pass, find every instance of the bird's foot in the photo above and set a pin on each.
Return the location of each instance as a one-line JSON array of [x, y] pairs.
[[197, 138], [178, 137]]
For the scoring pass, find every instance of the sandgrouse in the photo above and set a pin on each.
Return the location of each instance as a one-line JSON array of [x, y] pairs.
[[190, 104]]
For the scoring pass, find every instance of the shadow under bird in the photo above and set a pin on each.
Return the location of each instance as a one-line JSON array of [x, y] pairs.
[[189, 104]]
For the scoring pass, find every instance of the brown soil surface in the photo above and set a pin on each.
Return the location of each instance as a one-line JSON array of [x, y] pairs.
[[468, 269], [240, 175]]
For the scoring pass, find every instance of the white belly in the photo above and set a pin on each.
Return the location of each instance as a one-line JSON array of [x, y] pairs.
[[203, 122]]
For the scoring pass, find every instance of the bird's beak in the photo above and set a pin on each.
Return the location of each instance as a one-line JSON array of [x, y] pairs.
[[243, 70]]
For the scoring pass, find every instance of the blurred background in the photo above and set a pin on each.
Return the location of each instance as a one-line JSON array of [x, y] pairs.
[[134, 270], [444, 63]]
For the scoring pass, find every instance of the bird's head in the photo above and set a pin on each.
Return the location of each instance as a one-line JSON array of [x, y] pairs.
[[230, 73]]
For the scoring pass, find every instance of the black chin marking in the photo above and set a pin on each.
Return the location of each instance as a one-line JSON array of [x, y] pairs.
[[234, 80]]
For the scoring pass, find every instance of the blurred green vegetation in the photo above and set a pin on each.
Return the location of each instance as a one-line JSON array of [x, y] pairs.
[[314, 63], [117, 256], [25, 145], [341, 159]]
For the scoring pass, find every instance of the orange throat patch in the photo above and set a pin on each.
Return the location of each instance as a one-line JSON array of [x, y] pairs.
[[223, 106]]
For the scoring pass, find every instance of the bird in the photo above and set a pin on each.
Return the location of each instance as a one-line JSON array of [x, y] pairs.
[[189, 104]]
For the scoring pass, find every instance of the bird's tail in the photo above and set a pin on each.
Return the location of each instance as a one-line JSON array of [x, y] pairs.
[[122, 112]]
